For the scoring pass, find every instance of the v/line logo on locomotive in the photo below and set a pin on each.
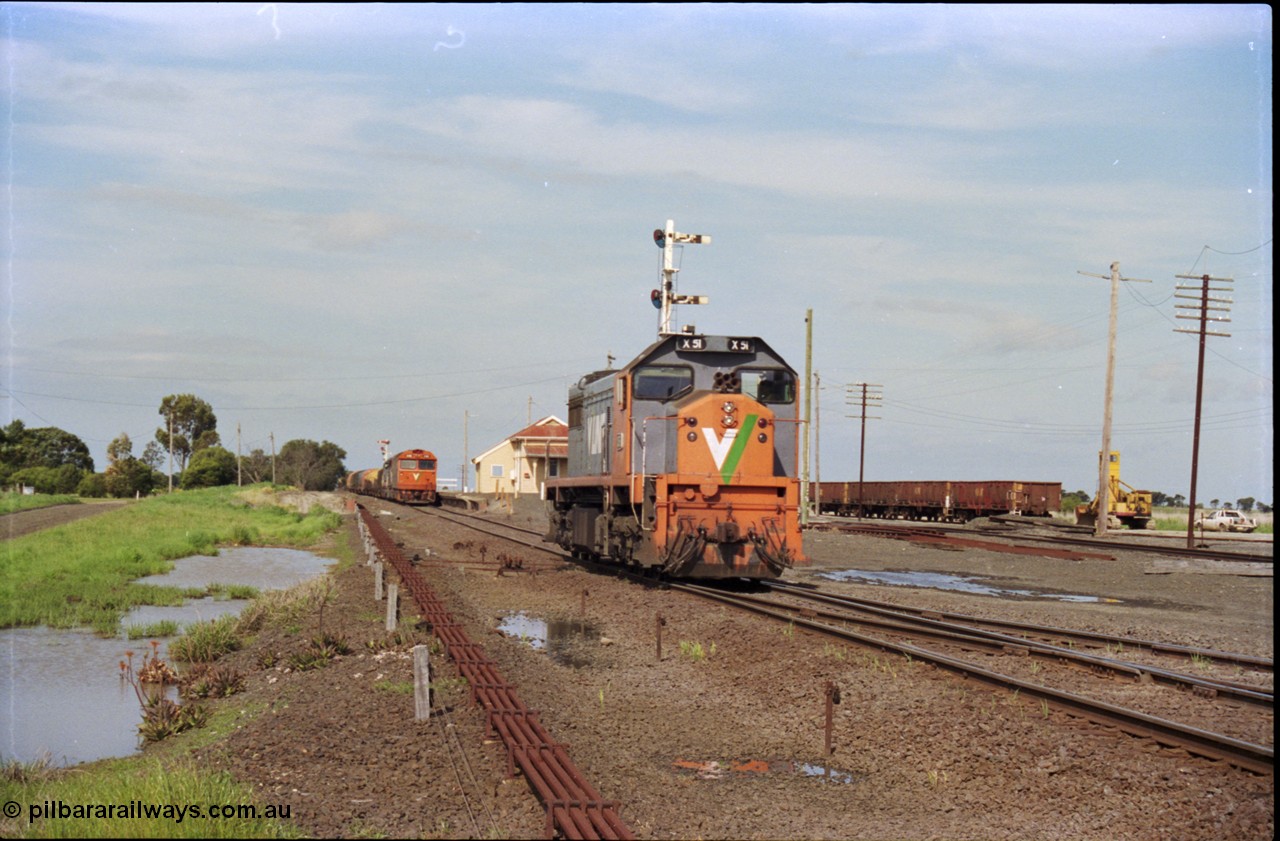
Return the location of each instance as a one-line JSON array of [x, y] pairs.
[[728, 448], [685, 459]]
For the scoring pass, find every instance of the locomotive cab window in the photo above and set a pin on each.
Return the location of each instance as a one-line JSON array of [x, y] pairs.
[[769, 386], [661, 382], [417, 464]]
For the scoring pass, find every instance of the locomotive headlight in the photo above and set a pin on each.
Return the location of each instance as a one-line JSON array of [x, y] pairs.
[[728, 408], [729, 420]]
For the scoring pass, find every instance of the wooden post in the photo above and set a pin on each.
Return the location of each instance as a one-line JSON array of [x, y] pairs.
[[393, 606], [421, 683], [833, 697]]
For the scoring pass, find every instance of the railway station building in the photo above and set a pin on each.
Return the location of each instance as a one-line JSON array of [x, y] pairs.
[[522, 463]]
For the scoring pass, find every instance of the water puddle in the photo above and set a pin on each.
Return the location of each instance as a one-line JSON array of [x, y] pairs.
[[61, 691], [716, 770], [191, 613], [266, 568], [946, 581], [565, 641]]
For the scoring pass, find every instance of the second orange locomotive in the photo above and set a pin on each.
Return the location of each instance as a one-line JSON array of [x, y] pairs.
[[408, 476]]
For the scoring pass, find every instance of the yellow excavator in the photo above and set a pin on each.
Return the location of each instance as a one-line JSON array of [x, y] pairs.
[[1125, 505]]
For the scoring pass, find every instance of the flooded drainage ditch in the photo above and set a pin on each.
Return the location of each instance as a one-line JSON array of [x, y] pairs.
[[62, 691]]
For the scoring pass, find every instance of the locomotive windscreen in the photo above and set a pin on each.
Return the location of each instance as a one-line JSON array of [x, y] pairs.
[[661, 382], [770, 386]]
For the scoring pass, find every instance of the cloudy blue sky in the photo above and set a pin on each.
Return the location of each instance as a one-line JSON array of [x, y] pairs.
[[422, 223]]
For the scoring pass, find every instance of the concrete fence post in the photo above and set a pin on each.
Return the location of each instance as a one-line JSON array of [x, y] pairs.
[[421, 683]]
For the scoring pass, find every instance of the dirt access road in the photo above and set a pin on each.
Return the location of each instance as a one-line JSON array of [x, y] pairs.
[[25, 522]]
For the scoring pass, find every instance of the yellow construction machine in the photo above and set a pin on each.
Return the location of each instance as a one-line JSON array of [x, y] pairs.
[[1125, 505]]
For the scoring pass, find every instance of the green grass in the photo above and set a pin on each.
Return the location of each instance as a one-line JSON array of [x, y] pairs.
[[151, 630], [167, 773], [11, 502], [119, 783], [695, 651], [204, 642], [80, 574], [232, 591]]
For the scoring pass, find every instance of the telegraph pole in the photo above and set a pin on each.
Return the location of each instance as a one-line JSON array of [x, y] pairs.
[[1104, 459], [808, 383], [817, 440], [170, 450], [272, 435], [868, 399], [1203, 309], [239, 483], [663, 298]]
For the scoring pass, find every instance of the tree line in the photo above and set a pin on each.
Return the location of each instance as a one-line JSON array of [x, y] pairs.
[[54, 461], [1163, 500]]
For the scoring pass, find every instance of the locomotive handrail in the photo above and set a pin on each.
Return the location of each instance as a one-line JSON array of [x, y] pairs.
[[645, 474]]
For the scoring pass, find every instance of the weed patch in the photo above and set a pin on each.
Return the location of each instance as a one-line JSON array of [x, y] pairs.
[[205, 642]]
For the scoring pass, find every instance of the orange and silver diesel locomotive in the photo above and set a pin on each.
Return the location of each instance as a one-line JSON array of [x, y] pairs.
[[684, 461]]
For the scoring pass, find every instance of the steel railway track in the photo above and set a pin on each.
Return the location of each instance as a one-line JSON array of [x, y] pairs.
[[1237, 752], [573, 806]]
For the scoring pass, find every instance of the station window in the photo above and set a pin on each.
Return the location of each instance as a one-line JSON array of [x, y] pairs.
[[495, 471], [661, 382], [772, 385]]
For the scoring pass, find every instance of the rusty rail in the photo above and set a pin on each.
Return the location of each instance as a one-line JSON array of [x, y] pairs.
[[574, 808]]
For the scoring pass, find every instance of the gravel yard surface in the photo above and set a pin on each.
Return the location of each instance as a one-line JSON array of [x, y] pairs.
[[724, 736]]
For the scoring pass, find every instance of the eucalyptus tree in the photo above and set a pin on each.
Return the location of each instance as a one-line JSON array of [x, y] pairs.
[[189, 425]]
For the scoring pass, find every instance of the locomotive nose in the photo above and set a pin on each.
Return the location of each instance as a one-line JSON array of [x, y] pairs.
[[726, 438]]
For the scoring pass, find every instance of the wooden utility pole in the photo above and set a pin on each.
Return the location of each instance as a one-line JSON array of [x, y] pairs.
[[273, 458], [171, 451], [239, 483], [1104, 459], [867, 399], [817, 440], [808, 383], [466, 465], [1203, 309]]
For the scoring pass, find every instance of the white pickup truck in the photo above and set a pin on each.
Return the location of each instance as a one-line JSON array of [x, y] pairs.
[[1225, 519]]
